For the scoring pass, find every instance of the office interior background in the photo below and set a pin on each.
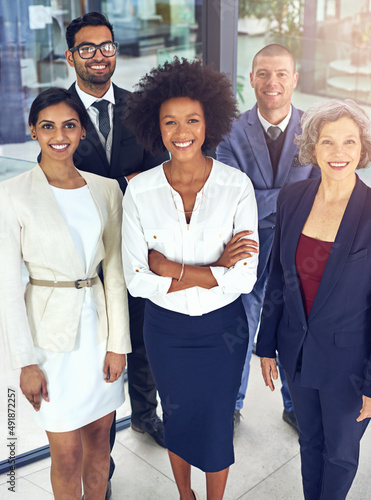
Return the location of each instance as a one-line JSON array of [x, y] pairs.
[[331, 40]]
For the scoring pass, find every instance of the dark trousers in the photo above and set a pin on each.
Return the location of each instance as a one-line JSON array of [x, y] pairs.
[[329, 439], [142, 389]]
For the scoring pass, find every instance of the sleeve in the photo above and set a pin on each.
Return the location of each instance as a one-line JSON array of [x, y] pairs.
[[267, 201], [141, 281], [225, 154], [114, 282], [242, 276], [13, 315], [266, 198], [273, 304]]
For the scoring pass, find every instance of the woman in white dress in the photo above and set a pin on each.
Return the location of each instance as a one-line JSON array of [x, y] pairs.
[[67, 333]]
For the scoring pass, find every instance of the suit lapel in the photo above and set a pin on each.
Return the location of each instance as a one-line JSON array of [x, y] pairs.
[[290, 238], [341, 247], [91, 146], [120, 132], [255, 135], [289, 149], [58, 245]]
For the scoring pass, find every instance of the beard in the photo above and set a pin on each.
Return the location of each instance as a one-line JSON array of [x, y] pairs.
[[95, 79]]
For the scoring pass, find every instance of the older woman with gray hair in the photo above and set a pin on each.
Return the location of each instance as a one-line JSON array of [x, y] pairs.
[[317, 308]]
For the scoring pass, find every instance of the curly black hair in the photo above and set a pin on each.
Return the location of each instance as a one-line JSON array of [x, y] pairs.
[[181, 78]]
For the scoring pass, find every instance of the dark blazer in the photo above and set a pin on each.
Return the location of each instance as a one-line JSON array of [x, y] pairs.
[[127, 155], [245, 148], [332, 346]]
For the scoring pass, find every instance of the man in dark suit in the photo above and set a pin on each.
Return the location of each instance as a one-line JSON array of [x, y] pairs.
[[261, 144], [111, 150]]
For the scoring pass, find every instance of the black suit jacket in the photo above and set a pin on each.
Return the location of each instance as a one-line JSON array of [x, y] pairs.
[[127, 155]]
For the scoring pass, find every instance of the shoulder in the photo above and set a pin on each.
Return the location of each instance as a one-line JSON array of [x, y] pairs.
[[104, 183], [362, 186], [230, 176], [120, 93], [296, 115], [148, 180], [15, 184], [242, 120], [295, 190]]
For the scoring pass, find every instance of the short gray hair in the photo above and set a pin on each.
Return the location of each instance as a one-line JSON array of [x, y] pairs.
[[318, 115]]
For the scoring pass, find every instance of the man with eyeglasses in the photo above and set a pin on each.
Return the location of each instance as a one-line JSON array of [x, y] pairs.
[[111, 150]]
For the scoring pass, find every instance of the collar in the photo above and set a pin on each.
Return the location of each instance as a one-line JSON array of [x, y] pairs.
[[282, 125], [88, 99]]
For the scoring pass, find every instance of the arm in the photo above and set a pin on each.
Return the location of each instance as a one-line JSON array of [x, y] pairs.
[[187, 276], [271, 312], [267, 201], [141, 281], [365, 410], [266, 198], [114, 282], [13, 314], [241, 277], [273, 303]]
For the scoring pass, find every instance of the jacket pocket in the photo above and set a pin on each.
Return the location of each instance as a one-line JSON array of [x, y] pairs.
[[357, 255]]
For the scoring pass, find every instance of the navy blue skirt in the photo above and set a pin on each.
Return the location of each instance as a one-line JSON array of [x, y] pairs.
[[197, 363]]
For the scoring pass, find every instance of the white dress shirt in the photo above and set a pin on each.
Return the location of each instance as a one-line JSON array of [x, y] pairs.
[[88, 100], [282, 125], [151, 221]]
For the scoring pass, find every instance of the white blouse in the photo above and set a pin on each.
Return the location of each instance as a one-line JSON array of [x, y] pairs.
[[151, 222]]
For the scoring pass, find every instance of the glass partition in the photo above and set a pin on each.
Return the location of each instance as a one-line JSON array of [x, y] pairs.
[[331, 41], [32, 46]]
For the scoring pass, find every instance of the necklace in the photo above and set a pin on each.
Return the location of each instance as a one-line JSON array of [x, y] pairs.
[[202, 193]]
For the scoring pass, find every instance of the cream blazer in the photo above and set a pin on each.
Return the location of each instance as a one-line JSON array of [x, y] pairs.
[[33, 230]]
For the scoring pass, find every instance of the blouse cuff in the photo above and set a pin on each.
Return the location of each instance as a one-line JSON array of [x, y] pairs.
[[218, 273]]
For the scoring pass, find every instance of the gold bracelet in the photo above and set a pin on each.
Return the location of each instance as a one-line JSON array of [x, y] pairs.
[[181, 273]]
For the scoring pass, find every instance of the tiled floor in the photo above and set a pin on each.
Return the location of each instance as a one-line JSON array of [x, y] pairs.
[[267, 461]]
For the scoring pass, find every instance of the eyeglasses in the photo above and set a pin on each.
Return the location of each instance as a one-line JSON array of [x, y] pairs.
[[88, 50]]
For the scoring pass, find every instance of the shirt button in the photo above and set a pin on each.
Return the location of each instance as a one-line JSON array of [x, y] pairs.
[[108, 148], [245, 263], [137, 270], [221, 235], [154, 237]]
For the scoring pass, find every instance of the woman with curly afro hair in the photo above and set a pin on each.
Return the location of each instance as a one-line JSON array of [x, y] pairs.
[[186, 247]]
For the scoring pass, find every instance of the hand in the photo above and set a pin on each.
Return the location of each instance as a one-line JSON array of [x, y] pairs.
[[366, 409], [156, 262], [269, 370], [33, 384], [114, 365], [129, 177], [238, 248]]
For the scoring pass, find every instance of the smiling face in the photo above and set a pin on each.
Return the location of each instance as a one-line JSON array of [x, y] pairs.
[[95, 72], [273, 78], [58, 131], [338, 150], [183, 127]]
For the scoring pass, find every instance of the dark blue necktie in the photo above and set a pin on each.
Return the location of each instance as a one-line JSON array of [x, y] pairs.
[[104, 124]]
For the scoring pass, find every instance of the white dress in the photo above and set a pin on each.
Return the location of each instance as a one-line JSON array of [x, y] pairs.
[[78, 394]]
